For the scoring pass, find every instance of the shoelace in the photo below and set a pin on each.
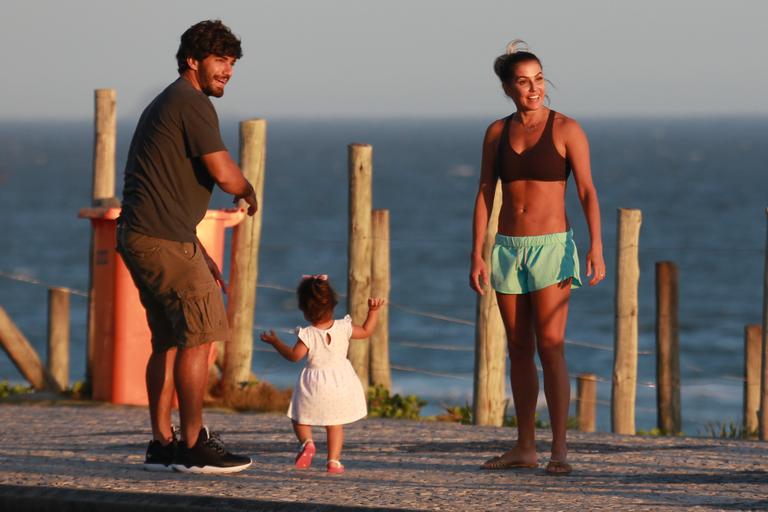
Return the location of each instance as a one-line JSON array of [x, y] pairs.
[[214, 441]]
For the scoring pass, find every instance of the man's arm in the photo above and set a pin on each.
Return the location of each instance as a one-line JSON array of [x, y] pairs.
[[228, 176]]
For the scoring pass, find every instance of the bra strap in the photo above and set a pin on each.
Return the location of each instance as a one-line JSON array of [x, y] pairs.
[[550, 123]]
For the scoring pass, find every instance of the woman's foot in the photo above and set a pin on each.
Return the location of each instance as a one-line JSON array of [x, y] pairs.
[[514, 458], [558, 468], [334, 467], [557, 464], [306, 452]]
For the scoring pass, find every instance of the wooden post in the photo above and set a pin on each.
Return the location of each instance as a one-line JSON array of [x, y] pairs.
[[763, 434], [753, 337], [669, 418], [624, 387], [104, 142], [23, 355], [244, 272], [359, 271], [490, 342], [587, 401], [380, 286], [103, 191], [58, 335]]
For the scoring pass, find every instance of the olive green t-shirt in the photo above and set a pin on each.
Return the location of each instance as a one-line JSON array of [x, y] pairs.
[[167, 187]]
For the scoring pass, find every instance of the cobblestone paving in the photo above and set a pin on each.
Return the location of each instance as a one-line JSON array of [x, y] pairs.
[[93, 453]]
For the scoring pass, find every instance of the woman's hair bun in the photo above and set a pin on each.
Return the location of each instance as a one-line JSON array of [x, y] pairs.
[[517, 45]]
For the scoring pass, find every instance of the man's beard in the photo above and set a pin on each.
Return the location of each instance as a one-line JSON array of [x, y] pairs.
[[211, 92], [209, 89]]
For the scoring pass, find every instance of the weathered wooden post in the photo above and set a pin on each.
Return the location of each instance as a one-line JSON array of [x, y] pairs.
[[104, 142], [753, 338], [380, 286], [23, 355], [58, 335], [244, 271], [586, 385], [490, 342], [764, 352], [624, 387], [669, 418], [360, 247], [103, 192]]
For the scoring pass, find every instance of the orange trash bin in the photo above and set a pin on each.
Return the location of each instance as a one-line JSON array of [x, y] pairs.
[[121, 338]]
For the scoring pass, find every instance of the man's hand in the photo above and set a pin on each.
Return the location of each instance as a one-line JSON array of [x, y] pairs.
[[250, 198], [214, 268]]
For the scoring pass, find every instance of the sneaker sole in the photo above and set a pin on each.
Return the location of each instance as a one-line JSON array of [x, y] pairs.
[[158, 468], [211, 470]]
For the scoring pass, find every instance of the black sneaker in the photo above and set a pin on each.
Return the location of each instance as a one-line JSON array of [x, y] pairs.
[[208, 455], [160, 457]]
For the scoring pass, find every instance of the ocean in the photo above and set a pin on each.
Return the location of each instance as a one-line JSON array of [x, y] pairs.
[[701, 184]]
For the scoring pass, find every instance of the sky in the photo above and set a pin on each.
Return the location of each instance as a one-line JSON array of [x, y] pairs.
[[331, 59]]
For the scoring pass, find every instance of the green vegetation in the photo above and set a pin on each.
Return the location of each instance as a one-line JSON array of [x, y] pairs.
[[457, 414], [382, 405], [729, 430], [658, 432], [7, 390], [79, 390]]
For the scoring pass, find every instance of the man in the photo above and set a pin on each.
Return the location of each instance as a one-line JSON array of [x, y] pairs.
[[175, 158]]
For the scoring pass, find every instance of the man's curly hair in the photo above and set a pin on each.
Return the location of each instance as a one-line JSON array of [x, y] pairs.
[[210, 37]]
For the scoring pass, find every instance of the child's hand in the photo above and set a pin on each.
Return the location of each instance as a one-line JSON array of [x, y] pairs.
[[375, 303], [269, 337]]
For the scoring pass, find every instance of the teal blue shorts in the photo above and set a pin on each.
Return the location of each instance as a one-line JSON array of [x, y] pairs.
[[523, 264]]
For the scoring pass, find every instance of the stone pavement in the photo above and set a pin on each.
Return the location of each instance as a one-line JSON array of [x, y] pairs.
[[88, 458]]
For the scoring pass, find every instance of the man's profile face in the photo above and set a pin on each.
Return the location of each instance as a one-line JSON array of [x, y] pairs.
[[213, 73]]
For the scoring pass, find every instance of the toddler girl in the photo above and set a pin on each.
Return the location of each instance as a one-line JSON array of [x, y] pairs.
[[328, 391]]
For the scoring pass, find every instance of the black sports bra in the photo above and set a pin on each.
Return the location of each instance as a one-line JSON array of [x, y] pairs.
[[540, 162]]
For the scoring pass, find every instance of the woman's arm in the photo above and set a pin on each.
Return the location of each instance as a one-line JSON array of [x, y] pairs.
[[478, 274], [577, 151], [359, 333], [294, 354]]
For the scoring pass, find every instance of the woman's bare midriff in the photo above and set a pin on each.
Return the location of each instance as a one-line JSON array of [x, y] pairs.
[[532, 208]]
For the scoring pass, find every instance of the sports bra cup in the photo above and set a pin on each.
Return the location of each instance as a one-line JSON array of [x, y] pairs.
[[540, 162]]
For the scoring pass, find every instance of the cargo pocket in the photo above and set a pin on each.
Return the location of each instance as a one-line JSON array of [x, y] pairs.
[[138, 245], [201, 311]]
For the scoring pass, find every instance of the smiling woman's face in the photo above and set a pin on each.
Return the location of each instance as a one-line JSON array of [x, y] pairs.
[[527, 86]]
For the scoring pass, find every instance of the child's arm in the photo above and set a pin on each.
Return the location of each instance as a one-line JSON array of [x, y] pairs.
[[370, 321], [294, 354]]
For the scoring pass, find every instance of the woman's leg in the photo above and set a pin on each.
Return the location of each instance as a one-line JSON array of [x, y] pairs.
[[335, 435], [516, 314], [550, 308], [303, 432]]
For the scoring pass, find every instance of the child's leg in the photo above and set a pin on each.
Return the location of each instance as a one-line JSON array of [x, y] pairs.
[[335, 435], [303, 432]]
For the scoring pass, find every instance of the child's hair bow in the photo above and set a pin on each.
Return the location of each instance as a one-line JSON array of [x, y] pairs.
[[322, 277]]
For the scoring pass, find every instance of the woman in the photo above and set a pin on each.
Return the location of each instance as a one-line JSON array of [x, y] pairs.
[[534, 263]]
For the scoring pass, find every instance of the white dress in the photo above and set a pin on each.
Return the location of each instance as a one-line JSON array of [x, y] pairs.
[[328, 391]]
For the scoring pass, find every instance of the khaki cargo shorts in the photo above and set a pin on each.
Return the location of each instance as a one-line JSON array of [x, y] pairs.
[[183, 301]]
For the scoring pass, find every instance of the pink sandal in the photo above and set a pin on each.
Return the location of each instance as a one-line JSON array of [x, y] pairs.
[[334, 467], [306, 452]]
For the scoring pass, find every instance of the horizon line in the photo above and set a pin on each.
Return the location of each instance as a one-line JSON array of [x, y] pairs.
[[424, 117]]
